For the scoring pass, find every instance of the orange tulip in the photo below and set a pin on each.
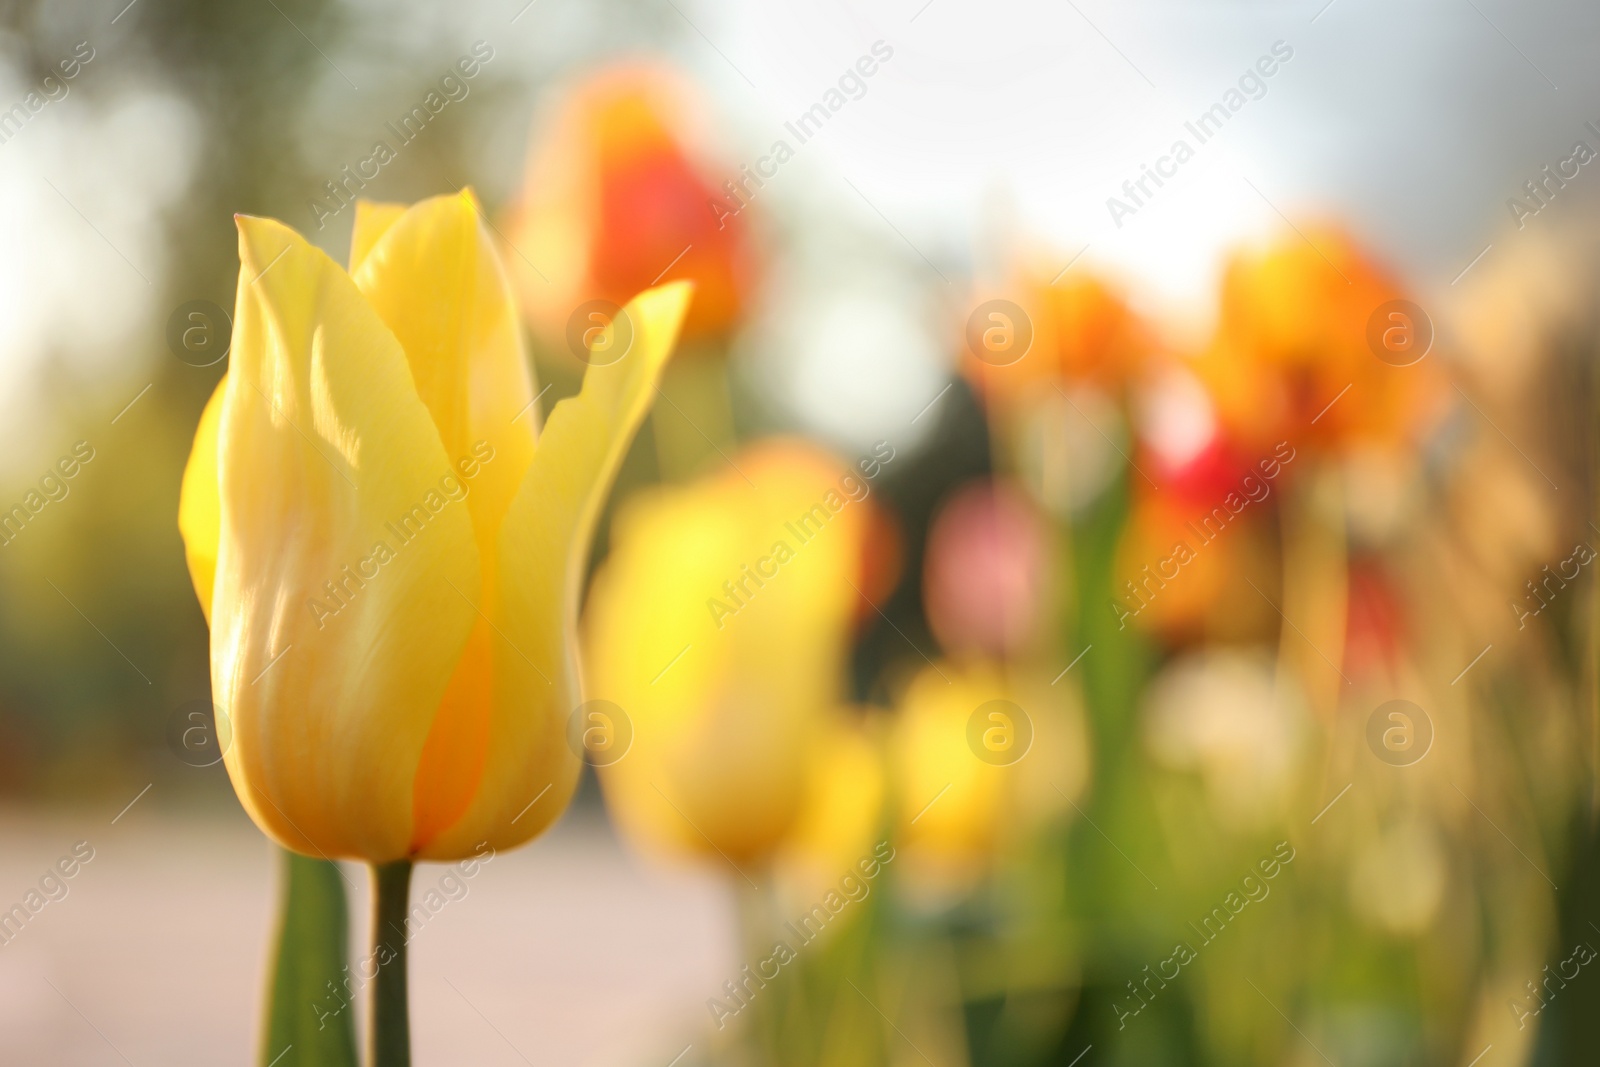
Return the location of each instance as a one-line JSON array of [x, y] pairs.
[[1293, 336], [619, 197], [1083, 331]]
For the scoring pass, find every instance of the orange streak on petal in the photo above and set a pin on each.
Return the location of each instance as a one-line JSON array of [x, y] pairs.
[[454, 755]]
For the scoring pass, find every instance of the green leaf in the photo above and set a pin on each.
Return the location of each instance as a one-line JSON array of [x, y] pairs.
[[310, 1014]]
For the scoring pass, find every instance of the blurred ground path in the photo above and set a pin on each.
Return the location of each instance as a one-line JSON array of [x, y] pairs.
[[569, 951]]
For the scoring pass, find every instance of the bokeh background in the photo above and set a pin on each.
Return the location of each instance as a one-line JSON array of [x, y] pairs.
[[1424, 534]]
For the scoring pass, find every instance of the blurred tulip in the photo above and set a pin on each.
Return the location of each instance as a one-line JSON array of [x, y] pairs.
[[1053, 362], [1185, 450], [1082, 330], [841, 814], [720, 625], [620, 193], [950, 801], [1292, 337], [387, 552], [1180, 569], [979, 760], [987, 575]]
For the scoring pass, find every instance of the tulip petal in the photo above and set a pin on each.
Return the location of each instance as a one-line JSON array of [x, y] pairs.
[[373, 219], [199, 514], [543, 549], [435, 279], [341, 604]]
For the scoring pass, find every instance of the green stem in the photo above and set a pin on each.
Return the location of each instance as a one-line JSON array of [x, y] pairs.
[[306, 1001], [389, 1042]]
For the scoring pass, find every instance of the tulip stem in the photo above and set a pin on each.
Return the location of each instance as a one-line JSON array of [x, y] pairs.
[[389, 1042]]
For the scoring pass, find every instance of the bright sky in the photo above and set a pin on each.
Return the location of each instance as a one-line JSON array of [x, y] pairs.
[[993, 125]]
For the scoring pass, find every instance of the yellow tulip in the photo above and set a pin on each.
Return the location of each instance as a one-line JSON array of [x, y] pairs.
[[387, 548], [841, 815], [719, 624], [981, 757]]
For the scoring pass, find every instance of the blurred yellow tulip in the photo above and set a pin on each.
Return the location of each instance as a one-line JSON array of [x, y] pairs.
[[979, 758], [720, 625], [841, 815], [387, 549]]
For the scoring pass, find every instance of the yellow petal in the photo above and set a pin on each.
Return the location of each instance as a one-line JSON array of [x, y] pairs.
[[330, 472], [543, 550], [198, 514], [436, 281], [373, 220]]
